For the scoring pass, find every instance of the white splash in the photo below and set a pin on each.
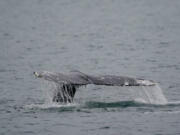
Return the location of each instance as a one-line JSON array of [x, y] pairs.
[[48, 88], [50, 105], [148, 94]]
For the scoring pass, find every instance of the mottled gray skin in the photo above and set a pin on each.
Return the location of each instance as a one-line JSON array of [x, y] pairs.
[[67, 83]]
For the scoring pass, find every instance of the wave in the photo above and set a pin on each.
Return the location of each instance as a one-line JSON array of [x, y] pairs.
[[94, 104], [120, 104]]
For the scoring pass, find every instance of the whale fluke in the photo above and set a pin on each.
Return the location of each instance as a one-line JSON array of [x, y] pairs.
[[67, 83]]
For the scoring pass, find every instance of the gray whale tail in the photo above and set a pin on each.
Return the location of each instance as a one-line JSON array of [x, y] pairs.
[[68, 83]]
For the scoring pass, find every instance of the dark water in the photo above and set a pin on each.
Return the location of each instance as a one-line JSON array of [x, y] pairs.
[[122, 37]]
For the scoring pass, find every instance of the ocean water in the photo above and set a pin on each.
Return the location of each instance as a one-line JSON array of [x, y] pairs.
[[138, 38]]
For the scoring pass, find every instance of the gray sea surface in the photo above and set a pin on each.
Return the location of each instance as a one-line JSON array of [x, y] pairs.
[[139, 38]]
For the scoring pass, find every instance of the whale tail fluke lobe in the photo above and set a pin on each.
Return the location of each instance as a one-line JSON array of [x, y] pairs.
[[66, 84]]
